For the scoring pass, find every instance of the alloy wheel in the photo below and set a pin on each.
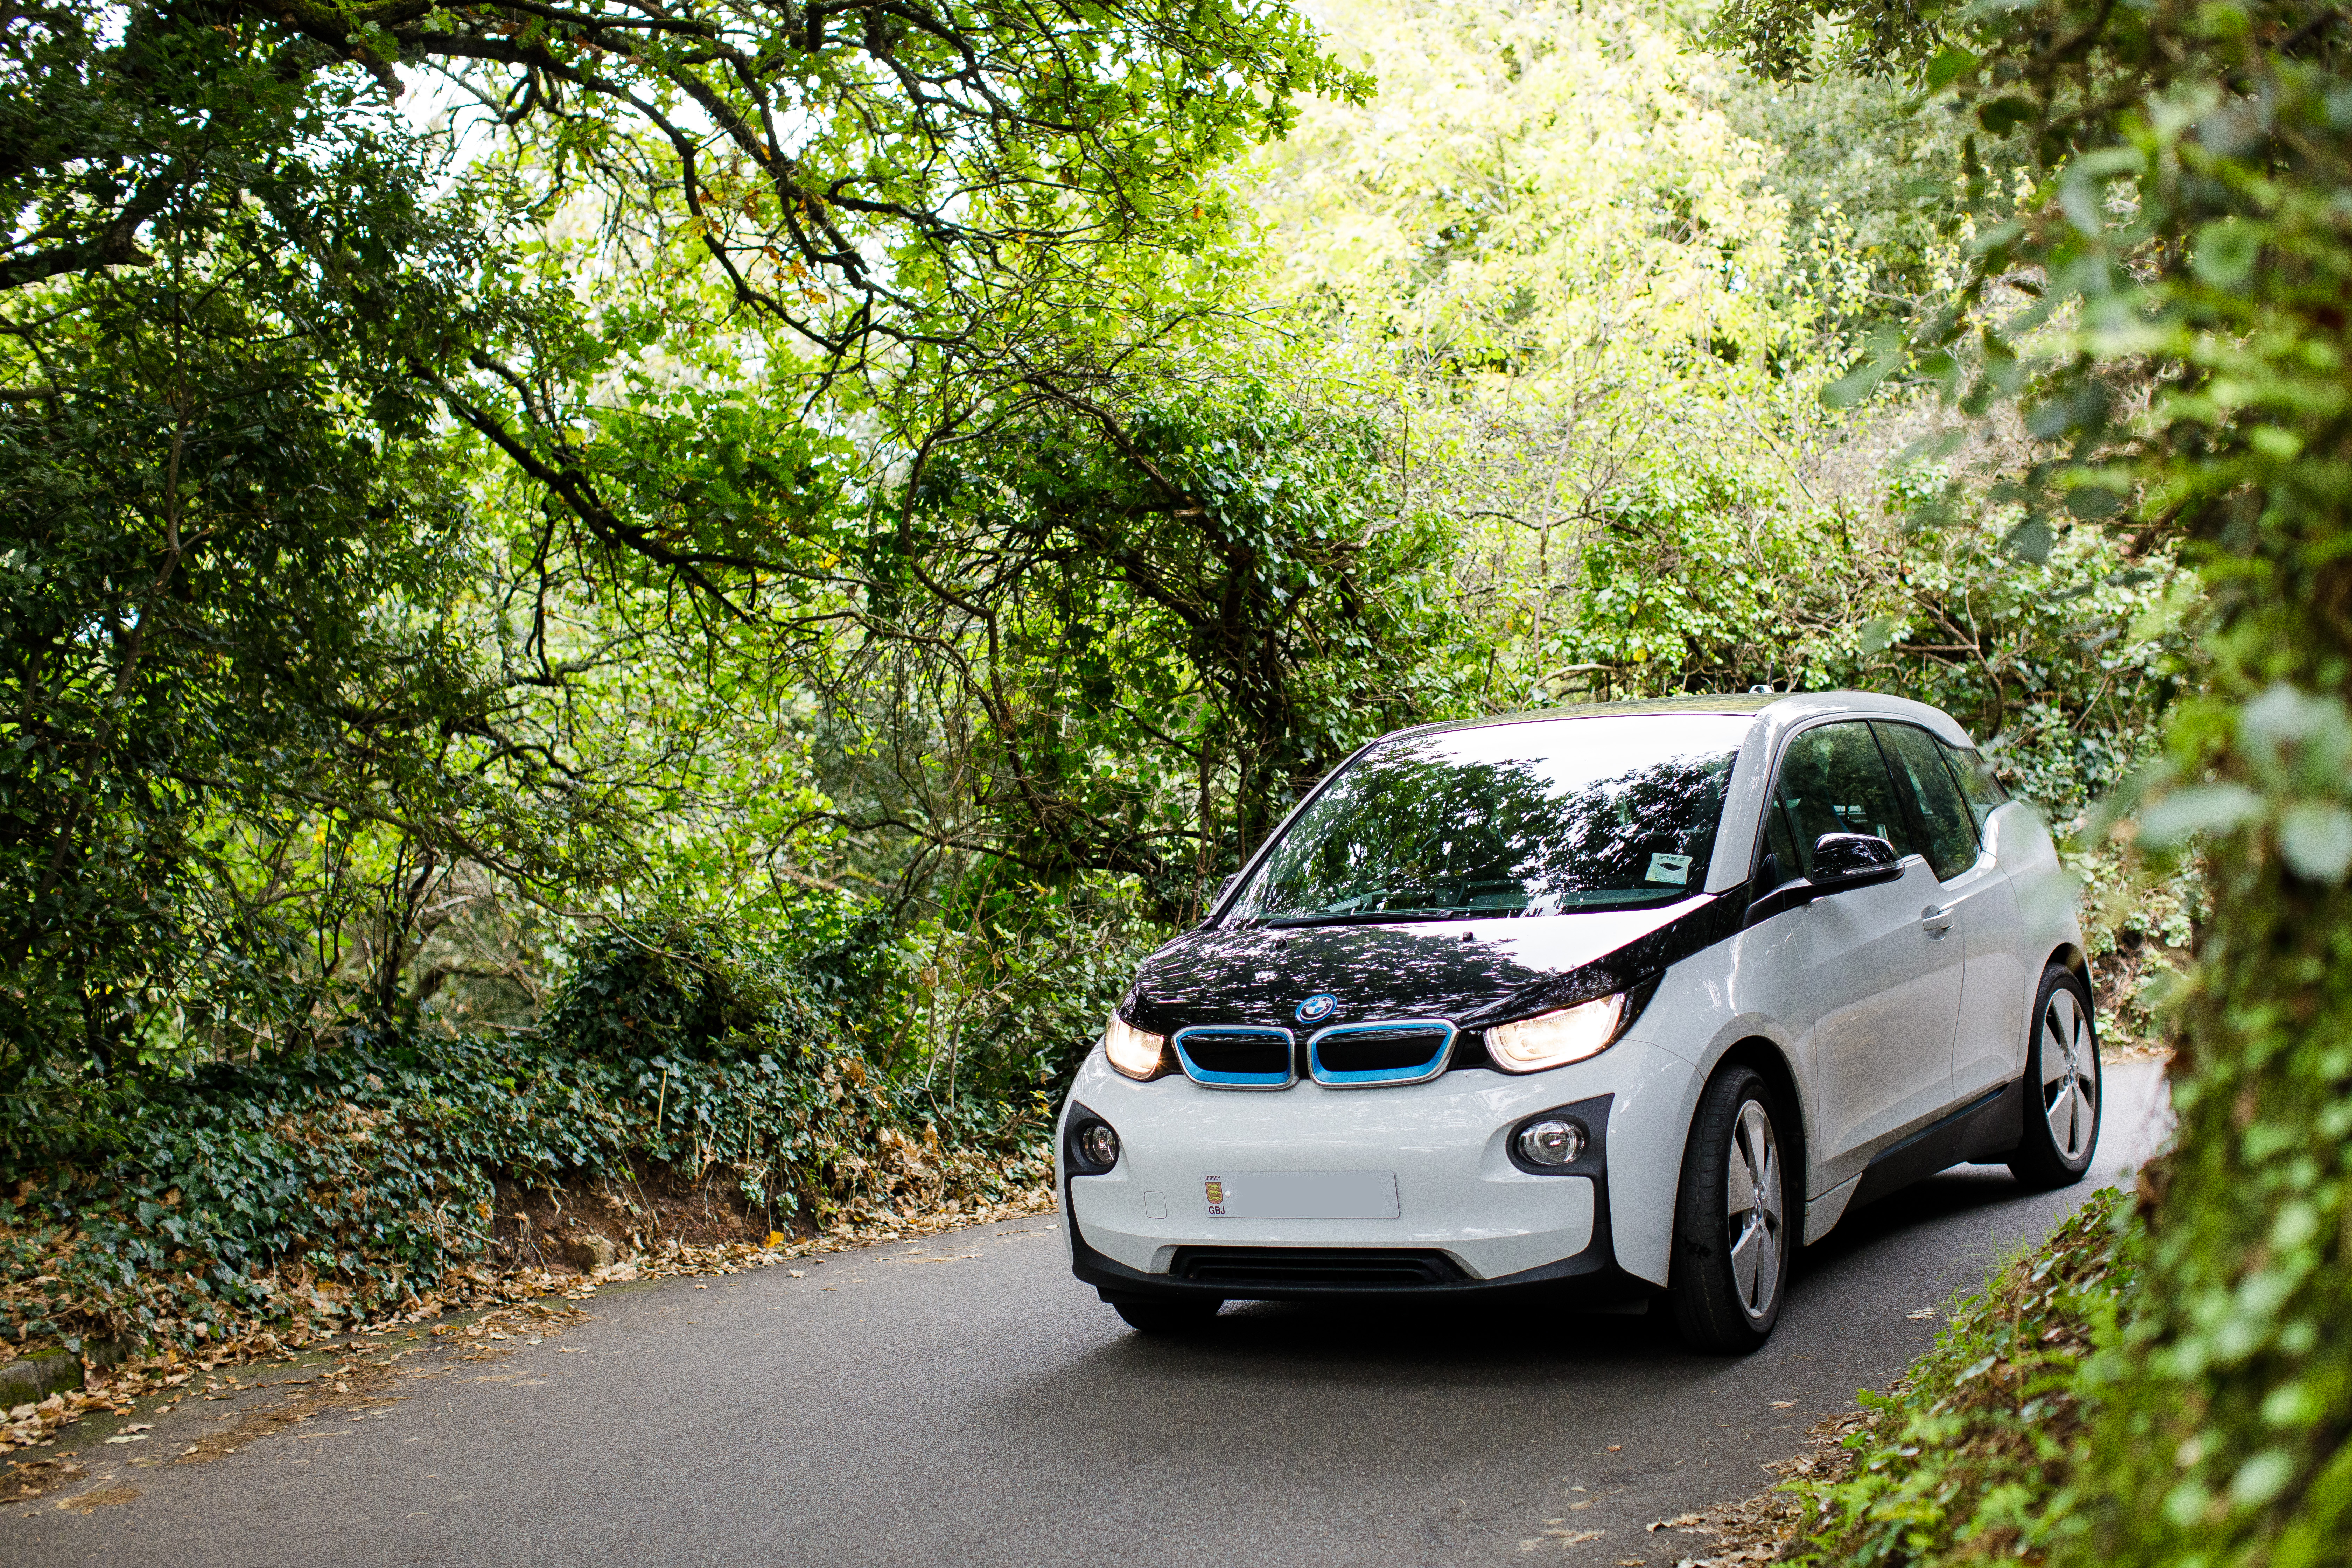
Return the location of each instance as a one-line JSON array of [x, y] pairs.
[[2069, 1075], [1752, 1196]]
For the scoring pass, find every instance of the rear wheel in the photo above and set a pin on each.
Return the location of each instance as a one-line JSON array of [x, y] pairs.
[[1731, 1240], [2064, 1092], [1175, 1315]]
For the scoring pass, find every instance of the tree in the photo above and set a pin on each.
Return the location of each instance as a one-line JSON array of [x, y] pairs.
[[904, 192], [246, 706], [264, 621], [1174, 616]]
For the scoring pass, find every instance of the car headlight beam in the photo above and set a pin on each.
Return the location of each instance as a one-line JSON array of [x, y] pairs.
[[1557, 1037], [1138, 1053]]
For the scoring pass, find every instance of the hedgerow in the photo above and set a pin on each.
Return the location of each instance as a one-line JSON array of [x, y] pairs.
[[313, 1188]]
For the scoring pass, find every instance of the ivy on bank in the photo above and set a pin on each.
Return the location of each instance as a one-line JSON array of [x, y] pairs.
[[313, 1188], [1975, 1457]]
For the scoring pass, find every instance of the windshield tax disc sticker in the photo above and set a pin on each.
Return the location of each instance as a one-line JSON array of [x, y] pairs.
[[1674, 868]]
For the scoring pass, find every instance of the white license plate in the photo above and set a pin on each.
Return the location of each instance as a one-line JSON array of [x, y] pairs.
[[1301, 1195]]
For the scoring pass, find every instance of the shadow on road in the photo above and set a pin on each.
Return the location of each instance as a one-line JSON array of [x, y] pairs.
[[1964, 1190]]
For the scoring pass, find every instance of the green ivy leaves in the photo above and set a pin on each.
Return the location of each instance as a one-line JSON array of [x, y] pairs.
[[2297, 748]]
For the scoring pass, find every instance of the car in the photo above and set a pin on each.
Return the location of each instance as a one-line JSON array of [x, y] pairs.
[[1608, 1005]]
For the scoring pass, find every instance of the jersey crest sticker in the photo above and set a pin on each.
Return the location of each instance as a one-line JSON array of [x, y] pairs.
[[1216, 1189]]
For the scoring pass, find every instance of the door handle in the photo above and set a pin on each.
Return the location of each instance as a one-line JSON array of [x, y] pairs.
[[1935, 919]]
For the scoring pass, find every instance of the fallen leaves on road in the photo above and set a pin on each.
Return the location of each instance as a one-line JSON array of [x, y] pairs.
[[30, 1423], [1562, 1538], [1752, 1530], [32, 1478]]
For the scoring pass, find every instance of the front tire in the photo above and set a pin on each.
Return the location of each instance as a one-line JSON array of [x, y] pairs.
[[1180, 1315], [2065, 1093], [1731, 1240]]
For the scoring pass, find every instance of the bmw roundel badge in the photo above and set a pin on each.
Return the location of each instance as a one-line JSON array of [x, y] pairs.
[[1317, 1007]]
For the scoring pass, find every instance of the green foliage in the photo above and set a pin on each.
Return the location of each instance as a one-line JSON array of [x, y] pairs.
[[1175, 617], [1881, 225], [231, 593], [318, 1187], [1017, 978], [114, 121], [1546, 198], [1701, 580], [1974, 1458]]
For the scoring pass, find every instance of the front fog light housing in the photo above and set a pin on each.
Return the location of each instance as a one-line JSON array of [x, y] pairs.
[[1100, 1144], [1551, 1142], [1089, 1147], [1555, 1038], [1141, 1054]]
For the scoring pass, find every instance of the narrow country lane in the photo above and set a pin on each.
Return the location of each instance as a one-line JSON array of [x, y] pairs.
[[965, 1402]]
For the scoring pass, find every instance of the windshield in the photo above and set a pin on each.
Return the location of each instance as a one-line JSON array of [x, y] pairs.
[[1513, 819]]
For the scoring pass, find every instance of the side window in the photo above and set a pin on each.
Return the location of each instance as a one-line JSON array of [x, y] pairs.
[[1982, 790], [1777, 841], [1951, 836], [1833, 779]]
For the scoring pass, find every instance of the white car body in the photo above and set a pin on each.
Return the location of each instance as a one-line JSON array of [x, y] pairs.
[[1895, 1018]]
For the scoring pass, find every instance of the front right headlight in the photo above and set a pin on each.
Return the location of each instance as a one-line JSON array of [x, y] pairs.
[[1141, 1054], [1557, 1037]]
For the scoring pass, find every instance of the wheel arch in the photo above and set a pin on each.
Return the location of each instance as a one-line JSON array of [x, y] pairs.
[[1765, 1057], [1769, 1060]]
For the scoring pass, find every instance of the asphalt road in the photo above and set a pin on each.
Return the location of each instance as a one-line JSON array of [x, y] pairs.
[[965, 1402]]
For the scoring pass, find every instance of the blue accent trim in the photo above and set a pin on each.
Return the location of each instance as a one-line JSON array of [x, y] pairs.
[[1379, 1076], [1202, 1075]]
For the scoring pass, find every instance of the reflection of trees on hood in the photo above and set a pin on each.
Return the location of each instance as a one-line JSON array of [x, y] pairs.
[[1412, 819]]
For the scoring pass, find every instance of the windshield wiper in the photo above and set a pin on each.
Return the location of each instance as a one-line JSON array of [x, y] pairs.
[[1370, 917]]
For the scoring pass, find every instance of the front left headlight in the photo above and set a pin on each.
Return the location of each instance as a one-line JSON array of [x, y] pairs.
[[1141, 1054], [1559, 1037]]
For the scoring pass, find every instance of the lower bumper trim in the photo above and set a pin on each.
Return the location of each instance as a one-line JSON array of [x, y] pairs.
[[1239, 1269], [1591, 1281]]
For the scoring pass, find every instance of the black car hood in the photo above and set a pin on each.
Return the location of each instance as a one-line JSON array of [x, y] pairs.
[[1471, 972]]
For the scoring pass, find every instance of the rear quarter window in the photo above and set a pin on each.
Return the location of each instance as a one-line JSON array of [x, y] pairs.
[[1950, 839], [1977, 786]]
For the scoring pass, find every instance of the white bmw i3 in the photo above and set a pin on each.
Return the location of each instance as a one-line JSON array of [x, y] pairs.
[[1606, 1003]]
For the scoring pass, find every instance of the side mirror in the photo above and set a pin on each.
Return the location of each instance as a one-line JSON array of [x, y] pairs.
[[1844, 860]]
